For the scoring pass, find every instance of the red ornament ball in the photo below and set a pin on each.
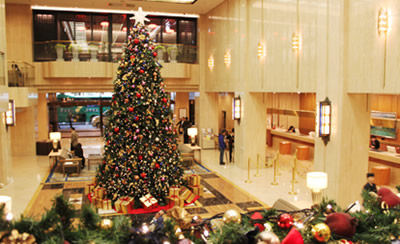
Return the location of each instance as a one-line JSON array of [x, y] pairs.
[[164, 100], [129, 169], [130, 109], [136, 177], [140, 157], [132, 57], [116, 130], [141, 71], [136, 41], [138, 95], [143, 175], [157, 166], [126, 100], [154, 54], [137, 118], [285, 221], [117, 175]]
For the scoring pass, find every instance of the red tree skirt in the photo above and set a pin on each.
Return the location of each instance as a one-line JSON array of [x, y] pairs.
[[142, 210]]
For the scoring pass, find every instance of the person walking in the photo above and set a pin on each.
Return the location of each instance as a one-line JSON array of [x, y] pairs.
[[186, 126], [231, 141], [74, 138], [222, 146]]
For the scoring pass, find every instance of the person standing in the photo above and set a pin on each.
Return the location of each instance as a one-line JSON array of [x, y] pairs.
[[74, 138], [186, 126], [370, 186], [222, 146], [231, 140], [180, 125], [375, 144]]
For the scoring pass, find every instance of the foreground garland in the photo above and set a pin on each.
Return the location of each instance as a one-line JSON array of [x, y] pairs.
[[325, 223]]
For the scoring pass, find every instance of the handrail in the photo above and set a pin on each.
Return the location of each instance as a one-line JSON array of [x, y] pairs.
[[99, 42], [23, 62]]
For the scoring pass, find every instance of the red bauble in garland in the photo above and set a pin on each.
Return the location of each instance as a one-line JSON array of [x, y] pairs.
[[154, 54], [137, 118], [164, 100], [157, 166], [129, 169], [136, 41], [285, 221], [143, 175], [140, 157], [130, 109], [138, 95], [116, 130], [141, 71]]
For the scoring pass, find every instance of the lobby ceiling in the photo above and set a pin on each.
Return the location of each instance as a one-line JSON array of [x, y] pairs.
[[199, 7]]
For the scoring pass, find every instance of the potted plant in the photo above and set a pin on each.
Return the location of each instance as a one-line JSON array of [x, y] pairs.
[[160, 53], [172, 53], [60, 51], [75, 51], [93, 53]]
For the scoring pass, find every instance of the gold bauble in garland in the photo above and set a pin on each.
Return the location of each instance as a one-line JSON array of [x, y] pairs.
[[321, 232], [232, 216]]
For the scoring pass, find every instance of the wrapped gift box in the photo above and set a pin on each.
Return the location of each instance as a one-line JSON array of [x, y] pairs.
[[194, 180], [118, 206], [100, 192], [94, 180], [176, 201], [148, 202], [197, 190], [89, 188], [107, 204], [187, 195], [174, 191], [99, 202], [126, 207]]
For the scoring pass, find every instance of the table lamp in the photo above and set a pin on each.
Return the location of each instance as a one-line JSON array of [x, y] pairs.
[[317, 181], [6, 200], [55, 137], [192, 132]]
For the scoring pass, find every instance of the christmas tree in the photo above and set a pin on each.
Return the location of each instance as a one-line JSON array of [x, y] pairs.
[[140, 151]]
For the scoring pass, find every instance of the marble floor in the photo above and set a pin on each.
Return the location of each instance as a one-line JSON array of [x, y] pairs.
[[28, 173]]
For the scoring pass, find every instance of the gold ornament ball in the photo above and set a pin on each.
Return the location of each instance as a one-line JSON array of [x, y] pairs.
[[321, 232], [106, 224], [267, 237], [232, 216]]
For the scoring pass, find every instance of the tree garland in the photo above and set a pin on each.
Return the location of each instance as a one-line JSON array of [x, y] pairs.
[[58, 225]]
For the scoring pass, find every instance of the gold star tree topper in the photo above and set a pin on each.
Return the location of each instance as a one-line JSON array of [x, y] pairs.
[[139, 16]]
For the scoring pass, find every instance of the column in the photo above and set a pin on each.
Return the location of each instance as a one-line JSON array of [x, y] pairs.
[[345, 157], [42, 117]]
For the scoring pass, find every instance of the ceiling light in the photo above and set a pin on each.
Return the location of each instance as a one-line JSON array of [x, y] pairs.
[[152, 26], [104, 24]]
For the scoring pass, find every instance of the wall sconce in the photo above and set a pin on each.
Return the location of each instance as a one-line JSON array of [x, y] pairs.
[[227, 58], [6, 201], [317, 181], [383, 22], [211, 63], [192, 132], [55, 137], [325, 120], [10, 114], [260, 50], [236, 108], [296, 42]]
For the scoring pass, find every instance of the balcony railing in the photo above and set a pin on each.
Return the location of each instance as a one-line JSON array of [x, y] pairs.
[[20, 73], [107, 52], [2, 70]]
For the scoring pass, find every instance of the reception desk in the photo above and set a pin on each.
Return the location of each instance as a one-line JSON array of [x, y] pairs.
[[390, 160], [274, 137]]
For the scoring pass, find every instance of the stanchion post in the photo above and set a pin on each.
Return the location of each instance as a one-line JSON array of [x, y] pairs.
[[274, 183], [277, 163], [292, 192], [258, 166], [248, 173], [295, 167]]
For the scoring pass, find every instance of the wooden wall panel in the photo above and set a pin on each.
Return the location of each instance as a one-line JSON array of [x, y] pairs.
[[307, 102]]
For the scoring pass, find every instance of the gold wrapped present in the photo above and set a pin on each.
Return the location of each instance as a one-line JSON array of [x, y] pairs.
[[126, 207], [174, 191], [100, 192], [187, 195], [148, 202], [118, 206], [176, 201], [107, 204], [194, 180], [99, 202], [197, 190], [89, 189], [94, 180]]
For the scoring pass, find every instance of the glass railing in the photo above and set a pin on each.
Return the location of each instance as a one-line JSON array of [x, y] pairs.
[[2, 70], [20, 73], [99, 52]]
